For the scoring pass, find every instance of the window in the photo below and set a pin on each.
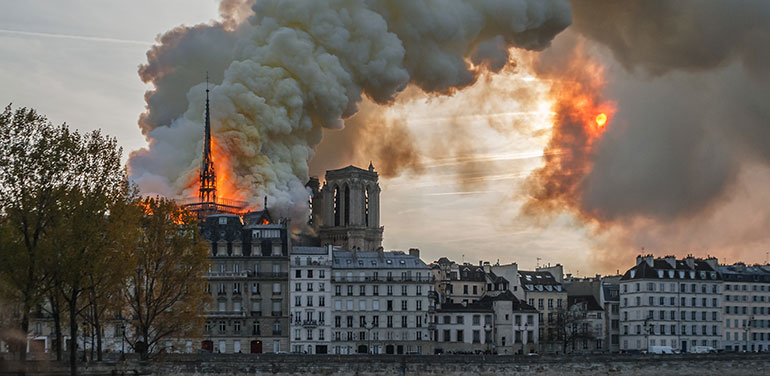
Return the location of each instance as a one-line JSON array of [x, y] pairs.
[[476, 336], [460, 319], [404, 320], [403, 290], [460, 335], [350, 290], [337, 290], [419, 305], [476, 320], [376, 290], [403, 305], [298, 273], [390, 289], [390, 321], [390, 305]]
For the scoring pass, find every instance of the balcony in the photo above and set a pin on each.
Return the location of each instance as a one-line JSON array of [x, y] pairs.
[[227, 275], [423, 279], [256, 313], [229, 314], [310, 323], [277, 313], [269, 275]]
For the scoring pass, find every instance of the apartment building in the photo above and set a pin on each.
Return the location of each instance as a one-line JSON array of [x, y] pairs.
[[610, 301], [248, 281], [467, 283], [746, 300], [670, 302], [310, 299], [544, 291], [381, 303]]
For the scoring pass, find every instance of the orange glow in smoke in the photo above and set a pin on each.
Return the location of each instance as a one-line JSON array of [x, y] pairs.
[[601, 119], [581, 115]]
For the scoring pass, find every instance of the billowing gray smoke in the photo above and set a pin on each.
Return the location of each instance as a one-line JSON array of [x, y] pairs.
[[294, 68], [691, 104], [692, 83]]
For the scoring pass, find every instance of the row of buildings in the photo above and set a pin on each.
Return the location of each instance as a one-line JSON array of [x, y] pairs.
[[339, 292]]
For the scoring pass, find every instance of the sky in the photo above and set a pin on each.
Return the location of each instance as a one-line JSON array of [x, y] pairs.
[[77, 62]]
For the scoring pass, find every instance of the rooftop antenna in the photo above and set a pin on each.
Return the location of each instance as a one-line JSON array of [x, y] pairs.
[[537, 265]]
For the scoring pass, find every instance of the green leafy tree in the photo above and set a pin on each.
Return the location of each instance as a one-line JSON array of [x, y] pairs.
[[165, 294], [34, 176]]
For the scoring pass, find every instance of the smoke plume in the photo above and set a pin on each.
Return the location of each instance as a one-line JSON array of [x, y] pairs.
[[294, 68], [678, 162]]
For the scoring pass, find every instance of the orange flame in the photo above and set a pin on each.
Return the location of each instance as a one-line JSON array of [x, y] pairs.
[[581, 116]]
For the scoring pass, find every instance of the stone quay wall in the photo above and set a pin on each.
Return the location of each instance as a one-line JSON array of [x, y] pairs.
[[443, 365]]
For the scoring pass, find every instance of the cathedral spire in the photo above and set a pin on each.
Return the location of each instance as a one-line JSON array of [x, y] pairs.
[[208, 180]]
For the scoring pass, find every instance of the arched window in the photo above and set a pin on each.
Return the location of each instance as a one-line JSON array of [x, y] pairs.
[[366, 206], [336, 206], [347, 205]]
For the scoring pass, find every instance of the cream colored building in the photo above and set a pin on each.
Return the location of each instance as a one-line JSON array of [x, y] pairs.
[[670, 302], [746, 300]]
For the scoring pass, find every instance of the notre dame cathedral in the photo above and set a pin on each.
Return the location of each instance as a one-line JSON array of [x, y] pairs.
[[346, 210]]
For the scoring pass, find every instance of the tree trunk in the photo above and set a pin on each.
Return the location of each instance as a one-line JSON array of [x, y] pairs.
[[98, 330], [57, 332], [21, 345], [73, 338]]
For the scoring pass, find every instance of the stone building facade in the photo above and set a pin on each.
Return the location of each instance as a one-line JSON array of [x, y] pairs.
[[545, 292], [311, 299], [467, 283], [248, 282], [670, 302], [346, 210], [381, 303], [746, 299]]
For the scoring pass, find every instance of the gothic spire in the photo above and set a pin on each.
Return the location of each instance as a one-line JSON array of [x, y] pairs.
[[208, 180]]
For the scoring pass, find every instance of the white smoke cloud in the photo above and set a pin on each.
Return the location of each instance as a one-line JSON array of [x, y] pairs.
[[297, 67]]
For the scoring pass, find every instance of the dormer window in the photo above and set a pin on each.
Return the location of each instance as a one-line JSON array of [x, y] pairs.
[[660, 274], [633, 273], [713, 275], [389, 262], [681, 274], [403, 262], [222, 220], [237, 249], [670, 274], [255, 234], [703, 275], [692, 275]]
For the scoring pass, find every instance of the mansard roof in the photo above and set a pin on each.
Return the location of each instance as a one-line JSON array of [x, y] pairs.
[[518, 305], [537, 278], [376, 260], [480, 305], [745, 273], [662, 269], [589, 300]]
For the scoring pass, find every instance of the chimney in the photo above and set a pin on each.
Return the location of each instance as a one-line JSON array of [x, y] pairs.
[[690, 261], [381, 253], [671, 260], [329, 250], [639, 259], [650, 259], [414, 252]]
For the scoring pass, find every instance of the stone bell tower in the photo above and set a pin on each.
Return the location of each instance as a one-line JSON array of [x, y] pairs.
[[346, 211]]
